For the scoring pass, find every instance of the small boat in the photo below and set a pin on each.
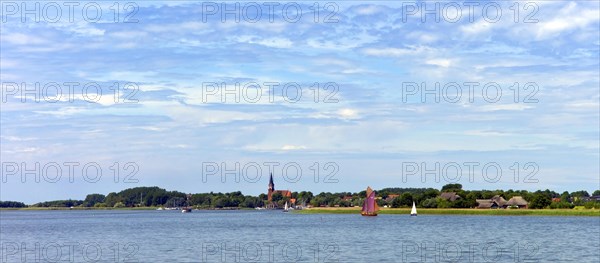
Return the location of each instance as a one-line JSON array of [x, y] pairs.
[[186, 210], [160, 208], [413, 212], [285, 208], [370, 207]]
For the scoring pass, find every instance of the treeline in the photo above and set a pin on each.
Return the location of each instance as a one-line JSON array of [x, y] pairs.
[[431, 198], [391, 197], [12, 204]]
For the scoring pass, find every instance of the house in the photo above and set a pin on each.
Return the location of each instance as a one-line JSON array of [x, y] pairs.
[[518, 202], [499, 200], [486, 204], [391, 197], [493, 203], [556, 200], [592, 198], [450, 196]]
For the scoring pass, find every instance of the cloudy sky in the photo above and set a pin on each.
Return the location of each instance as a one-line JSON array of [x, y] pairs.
[[348, 93]]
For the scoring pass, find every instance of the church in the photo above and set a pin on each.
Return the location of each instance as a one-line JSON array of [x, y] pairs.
[[284, 193]]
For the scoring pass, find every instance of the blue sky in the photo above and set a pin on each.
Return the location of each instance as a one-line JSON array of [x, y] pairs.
[[372, 51]]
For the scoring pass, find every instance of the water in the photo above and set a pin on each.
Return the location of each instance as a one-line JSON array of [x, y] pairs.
[[273, 236]]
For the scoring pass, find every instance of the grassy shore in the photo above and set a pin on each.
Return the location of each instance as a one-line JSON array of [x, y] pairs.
[[110, 208], [455, 211], [80, 208]]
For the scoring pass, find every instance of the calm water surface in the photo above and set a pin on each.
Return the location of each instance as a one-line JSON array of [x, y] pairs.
[[273, 236]]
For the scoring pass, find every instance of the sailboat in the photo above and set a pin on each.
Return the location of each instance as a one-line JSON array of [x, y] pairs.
[[370, 207], [413, 212], [285, 208]]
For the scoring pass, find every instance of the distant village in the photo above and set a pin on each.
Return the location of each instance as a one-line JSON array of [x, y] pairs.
[[449, 196]]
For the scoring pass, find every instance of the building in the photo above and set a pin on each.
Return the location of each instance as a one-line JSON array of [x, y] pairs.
[[592, 198], [391, 197], [271, 190], [493, 203], [450, 196], [518, 202]]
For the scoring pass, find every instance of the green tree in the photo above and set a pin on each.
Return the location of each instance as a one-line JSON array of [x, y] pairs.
[[12, 204], [561, 205], [429, 203], [565, 197], [406, 199], [111, 199], [582, 193], [451, 188], [540, 201], [276, 197], [93, 199], [443, 203]]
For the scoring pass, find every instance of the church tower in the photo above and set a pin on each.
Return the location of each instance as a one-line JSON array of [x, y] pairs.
[[271, 187]]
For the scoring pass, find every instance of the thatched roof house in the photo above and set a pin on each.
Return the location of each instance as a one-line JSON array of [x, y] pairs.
[[500, 200], [486, 204], [450, 196], [518, 202], [495, 202]]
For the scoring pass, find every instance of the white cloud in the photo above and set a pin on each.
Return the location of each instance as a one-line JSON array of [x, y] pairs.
[[275, 42], [504, 107], [368, 10], [439, 62], [478, 27], [23, 39], [288, 147], [583, 105], [348, 113], [395, 52], [568, 18]]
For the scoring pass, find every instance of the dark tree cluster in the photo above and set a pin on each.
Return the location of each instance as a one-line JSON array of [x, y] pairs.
[[11, 204]]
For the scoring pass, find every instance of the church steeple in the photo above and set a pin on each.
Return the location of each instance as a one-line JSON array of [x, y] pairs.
[[271, 184], [271, 187]]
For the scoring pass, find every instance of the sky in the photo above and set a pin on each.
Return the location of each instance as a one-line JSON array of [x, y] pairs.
[[328, 96]]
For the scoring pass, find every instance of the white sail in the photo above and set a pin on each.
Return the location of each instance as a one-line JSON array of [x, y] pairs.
[[414, 209], [286, 206]]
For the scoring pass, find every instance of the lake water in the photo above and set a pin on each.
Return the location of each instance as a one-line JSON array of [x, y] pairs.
[[273, 236]]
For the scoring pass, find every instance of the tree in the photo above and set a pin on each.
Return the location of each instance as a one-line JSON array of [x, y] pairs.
[[561, 205], [429, 203], [112, 199], [565, 197], [276, 197], [93, 199], [406, 199], [430, 193], [12, 204], [596, 193], [451, 187], [580, 194], [540, 201], [443, 203]]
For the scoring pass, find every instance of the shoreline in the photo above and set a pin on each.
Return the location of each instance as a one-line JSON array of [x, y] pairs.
[[458, 211], [356, 210], [148, 208]]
